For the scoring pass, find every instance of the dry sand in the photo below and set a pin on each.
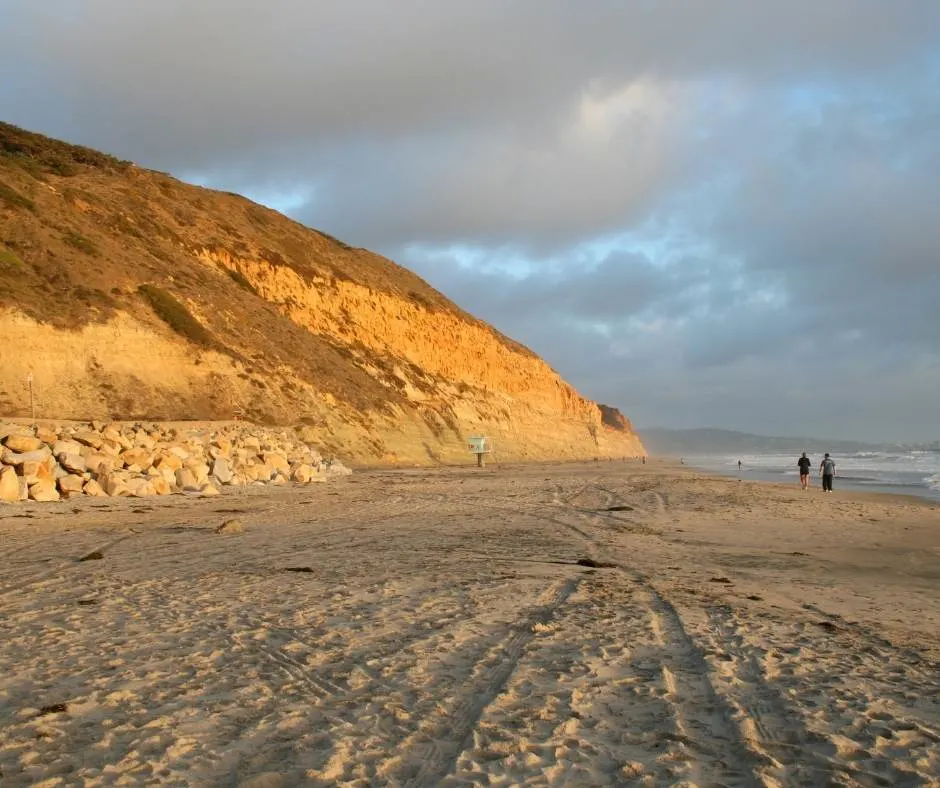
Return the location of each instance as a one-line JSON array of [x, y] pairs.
[[432, 627]]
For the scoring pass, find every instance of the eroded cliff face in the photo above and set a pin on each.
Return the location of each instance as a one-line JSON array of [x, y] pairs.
[[127, 294], [438, 344]]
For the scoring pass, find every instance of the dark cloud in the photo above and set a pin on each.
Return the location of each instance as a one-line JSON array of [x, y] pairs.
[[529, 121], [705, 212]]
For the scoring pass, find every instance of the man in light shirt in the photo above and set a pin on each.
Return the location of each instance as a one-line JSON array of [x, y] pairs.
[[827, 469]]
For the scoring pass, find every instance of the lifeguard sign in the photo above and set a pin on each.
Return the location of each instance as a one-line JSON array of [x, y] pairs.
[[480, 445]]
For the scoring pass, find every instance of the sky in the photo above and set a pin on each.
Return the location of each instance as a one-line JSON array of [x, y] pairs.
[[708, 213]]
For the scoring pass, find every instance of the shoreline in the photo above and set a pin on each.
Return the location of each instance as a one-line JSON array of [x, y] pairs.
[[770, 476]]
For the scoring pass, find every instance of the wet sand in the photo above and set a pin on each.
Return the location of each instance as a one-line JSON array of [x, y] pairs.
[[433, 627]]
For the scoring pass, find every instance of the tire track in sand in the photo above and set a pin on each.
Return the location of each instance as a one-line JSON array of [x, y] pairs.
[[717, 754], [447, 737], [23, 582], [769, 727]]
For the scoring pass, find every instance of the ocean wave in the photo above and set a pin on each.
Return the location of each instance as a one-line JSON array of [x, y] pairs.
[[883, 483], [911, 471]]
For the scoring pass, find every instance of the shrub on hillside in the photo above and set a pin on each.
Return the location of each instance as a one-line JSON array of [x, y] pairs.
[[10, 261], [337, 241], [239, 278], [14, 199], [175, 315], [35, 152], [80, 242], [93, 297]]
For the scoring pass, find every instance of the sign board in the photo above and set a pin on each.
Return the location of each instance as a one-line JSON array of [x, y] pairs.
[[479, 444]]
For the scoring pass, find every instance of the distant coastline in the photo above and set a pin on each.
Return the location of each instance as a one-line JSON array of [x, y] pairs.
[[669, 442]]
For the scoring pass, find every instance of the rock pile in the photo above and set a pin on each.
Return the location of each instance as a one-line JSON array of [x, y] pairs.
[[44, 464]]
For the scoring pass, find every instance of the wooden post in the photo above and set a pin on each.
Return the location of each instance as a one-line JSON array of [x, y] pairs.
[[481, 462], [32, 403]]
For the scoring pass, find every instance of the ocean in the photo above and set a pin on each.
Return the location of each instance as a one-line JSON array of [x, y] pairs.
[[900, 472]]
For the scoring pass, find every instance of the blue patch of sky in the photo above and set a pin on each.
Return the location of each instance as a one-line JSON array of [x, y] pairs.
[[501, 261], [282, 201], [285, 201], [807, 100]]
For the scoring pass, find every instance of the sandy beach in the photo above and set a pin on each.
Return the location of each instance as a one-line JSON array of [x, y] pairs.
[[434, 627]]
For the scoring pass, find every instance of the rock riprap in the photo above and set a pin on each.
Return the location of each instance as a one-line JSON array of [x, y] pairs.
[[55, 463]]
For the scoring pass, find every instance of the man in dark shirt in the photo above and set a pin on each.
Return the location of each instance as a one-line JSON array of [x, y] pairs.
[[805, 464]]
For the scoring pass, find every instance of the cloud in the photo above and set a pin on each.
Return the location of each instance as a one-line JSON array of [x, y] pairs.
[[704, 212]]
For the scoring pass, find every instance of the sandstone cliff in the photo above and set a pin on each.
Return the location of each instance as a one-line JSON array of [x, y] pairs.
[[126, 294]]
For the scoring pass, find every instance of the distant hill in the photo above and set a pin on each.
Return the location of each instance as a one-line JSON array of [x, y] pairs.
[[669, 442], [127, 294]]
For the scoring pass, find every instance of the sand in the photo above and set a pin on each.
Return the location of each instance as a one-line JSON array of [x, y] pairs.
[[433, 627]]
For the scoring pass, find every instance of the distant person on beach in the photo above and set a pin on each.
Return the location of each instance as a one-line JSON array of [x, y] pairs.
[[804, 464], [739, 466], [827, 469]]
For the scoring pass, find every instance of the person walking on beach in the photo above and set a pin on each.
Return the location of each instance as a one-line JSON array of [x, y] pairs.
[[827, 469], [805, 464]]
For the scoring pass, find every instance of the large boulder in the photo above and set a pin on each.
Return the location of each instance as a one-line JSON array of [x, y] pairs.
[[99, 464], [144, 440], [9, 457], [46, 435], [164, 473], [277, 461], [138, 459], [92, 439], [44, 470], [335, 468], [302, 473], [160, 485], [259, 472], [9, 484], [222, 471], [44, 490], [141, 487], [25, 467], [23, 443], [199, 469], [94, 489], [168, 461], [113, 433], [74, 463], [112, 448], [115, 483], [71, 484], [68, 447], [186, 480]]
